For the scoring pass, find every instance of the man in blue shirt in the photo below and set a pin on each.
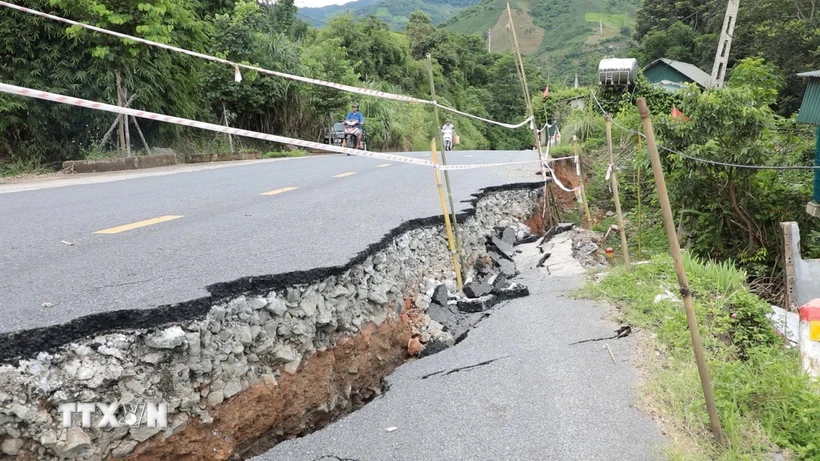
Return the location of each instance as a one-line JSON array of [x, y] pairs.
[[354, 114]]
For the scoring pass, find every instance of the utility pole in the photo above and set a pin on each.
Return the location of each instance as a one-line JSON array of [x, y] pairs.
[[724, 44]]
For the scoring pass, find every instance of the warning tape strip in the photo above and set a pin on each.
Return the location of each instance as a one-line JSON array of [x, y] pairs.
[[236, 66], [21, 91]]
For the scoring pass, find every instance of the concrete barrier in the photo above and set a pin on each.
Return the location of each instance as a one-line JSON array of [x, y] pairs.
[[120, 164], [207, 158], [802, 275]]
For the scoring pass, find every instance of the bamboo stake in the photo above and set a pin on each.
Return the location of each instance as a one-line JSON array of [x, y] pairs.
[[119, 117], [640, 216], [450, 238], [674, 248], [116, 122], [127, 129], [142, 137], [225, 118], [444, 162], [584, 203], [615, 194], [520, 61]]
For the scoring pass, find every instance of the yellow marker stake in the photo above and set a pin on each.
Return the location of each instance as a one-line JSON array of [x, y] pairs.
[[137, 225], [280, 191], [450, 238]]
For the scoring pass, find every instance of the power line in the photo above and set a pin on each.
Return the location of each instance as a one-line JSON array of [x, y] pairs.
[[703, 160]]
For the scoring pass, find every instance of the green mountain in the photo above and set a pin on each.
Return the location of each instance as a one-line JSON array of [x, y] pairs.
[[563, 37], [392, 12]]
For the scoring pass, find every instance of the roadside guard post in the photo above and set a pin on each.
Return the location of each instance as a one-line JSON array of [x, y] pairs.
[[809, 338]]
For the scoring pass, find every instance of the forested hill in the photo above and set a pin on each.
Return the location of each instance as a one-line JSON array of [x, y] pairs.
[[394, 13], [564, 37]]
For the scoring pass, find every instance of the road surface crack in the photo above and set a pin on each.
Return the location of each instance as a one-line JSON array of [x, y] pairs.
[[622, 332], [464, 368], [334, 458]]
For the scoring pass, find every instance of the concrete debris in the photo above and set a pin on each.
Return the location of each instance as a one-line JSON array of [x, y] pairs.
[[77, 444], [168, 338], [440, 295], [12, 446]]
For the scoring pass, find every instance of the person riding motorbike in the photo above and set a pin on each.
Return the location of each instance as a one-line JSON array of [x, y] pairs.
[[448, 133], [355, 115]]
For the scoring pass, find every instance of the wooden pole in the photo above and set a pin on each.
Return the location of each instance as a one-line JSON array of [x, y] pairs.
[[225, 118], [520, 61], [640, 216], [584, 203], [116, 122], [444, 162], [613, 177], [450, 239], [127, 129], [142, 137], [119, 117], [674, 248]]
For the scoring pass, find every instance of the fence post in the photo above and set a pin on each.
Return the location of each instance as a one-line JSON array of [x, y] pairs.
[[615, 194], [674, 248]]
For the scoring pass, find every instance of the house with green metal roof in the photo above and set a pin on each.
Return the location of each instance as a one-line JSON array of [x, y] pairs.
[[810, 113], [671, 75]]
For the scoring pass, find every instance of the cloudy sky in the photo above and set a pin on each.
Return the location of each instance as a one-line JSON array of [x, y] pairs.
[[320, 3]]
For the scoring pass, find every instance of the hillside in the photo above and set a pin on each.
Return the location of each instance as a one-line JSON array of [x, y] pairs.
[[390, 11], [561, 36]]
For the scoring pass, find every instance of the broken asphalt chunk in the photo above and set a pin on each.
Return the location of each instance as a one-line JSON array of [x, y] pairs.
[[477, 289], [481, 304], [504, 247]]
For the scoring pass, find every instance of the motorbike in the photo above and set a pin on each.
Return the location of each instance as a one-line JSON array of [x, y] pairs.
[[447, 136], [353, 131]]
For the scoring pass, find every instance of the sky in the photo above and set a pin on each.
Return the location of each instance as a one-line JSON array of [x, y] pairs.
[[320, 3]]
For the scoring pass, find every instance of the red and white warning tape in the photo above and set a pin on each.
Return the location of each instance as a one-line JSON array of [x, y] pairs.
[[11, 89], [238, 77]]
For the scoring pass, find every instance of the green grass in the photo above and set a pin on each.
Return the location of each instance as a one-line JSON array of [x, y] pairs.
[[15, 168], [285, 153], [613, 21], [764, 401]]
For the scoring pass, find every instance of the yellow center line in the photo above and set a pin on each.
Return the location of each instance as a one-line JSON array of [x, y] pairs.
[[137, 225], [349, 173], [383, 165], [280, 191]]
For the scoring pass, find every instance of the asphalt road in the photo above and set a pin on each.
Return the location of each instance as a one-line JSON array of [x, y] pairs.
[[540, 398], [204, 225]]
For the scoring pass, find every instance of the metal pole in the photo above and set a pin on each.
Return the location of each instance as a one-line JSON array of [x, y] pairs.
[[120, 102], [816, 194], [615, 194], [444, 162], [674, 248], [449, 229]]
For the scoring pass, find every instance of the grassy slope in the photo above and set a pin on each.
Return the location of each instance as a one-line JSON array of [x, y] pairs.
[[392, 12], [764, 403], [570, 28]]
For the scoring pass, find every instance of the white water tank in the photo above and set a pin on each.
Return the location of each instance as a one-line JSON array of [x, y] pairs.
[[614, 72]]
